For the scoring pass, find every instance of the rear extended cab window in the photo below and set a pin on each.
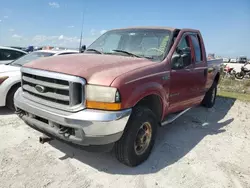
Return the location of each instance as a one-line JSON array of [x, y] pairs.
[[197, 48]]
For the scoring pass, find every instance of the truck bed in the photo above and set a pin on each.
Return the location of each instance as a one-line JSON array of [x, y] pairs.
[[214, 63]]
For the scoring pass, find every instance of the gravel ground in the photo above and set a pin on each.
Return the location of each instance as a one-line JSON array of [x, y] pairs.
[[204, 148]]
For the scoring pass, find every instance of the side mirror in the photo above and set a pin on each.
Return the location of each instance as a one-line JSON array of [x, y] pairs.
[[181, 59], [186, 50], [176, 62], [178, 51], [83, 48]]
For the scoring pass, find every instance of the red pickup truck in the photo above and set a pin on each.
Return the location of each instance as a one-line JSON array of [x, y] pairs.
[[118, 92]]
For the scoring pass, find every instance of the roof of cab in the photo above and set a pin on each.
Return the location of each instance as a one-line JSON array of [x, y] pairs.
[[172, 29], [148, 27]]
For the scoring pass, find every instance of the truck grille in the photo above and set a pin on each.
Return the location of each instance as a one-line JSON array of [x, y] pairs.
[[52, 89]]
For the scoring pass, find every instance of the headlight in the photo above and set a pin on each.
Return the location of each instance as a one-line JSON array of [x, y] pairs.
[[100, 97], [3, 78]]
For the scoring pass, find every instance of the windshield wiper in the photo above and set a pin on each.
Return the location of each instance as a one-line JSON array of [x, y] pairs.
[[94, 50], [131, 54], [126, 52]]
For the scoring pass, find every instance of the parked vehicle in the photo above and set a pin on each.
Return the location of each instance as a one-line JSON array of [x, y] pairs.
[[120, 90], [211, 56], [236, 64], [229, 71], [233, 60], [29, 49], [226, 60], [243, 73], [18, 47], [10, 75], [242, 60], [8, 54]]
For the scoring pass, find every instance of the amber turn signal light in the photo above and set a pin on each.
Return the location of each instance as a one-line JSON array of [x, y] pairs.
[[103, 105]]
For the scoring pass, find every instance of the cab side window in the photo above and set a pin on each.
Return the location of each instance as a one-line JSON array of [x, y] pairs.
[[1, 56], [197, 48], [182, 55], [10, 54]]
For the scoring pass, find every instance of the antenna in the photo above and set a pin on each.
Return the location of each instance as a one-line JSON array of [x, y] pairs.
[[80, 45]]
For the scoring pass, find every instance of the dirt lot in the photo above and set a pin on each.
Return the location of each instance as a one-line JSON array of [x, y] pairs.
[[204, 148]]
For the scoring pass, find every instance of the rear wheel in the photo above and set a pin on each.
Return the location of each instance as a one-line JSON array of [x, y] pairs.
[[10, 97], [210, 96], [238, 75], [138, 138]]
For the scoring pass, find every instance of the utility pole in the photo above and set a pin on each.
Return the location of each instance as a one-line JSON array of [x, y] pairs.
[[80, 46], [0, 30]]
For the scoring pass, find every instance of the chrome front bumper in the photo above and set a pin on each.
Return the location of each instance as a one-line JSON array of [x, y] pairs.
[[86, 127]]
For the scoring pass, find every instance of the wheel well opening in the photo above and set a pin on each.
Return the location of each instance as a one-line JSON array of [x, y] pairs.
[[15, 86], [153, 102]]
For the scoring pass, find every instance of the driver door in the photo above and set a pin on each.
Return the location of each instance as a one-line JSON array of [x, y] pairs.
[[181, 92]]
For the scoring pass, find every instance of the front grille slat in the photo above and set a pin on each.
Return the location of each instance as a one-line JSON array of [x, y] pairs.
[[47, 101], [52, 89], [44, 83], [47, 94]]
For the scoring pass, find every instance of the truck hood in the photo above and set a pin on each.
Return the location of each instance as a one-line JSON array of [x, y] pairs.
[[95, 68], [8, 68]]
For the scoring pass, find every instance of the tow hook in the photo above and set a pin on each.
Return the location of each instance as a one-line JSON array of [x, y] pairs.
[[65, 131], [44, 138]]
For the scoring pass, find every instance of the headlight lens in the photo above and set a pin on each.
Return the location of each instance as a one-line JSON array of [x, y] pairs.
[[100, 97], [102, 94], [3, 78]]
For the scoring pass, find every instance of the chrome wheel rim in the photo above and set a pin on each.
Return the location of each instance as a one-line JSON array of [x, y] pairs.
[[143, 138]]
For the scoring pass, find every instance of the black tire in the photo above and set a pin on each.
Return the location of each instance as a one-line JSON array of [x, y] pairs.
[[125, 150], [10, 97], [238, 75], [210, 96]]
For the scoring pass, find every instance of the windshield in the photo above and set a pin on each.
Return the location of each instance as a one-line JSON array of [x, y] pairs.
[[148, 43], [31, 57]]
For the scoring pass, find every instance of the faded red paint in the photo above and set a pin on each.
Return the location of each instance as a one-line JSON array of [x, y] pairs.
[[96, 69], [136, 78]]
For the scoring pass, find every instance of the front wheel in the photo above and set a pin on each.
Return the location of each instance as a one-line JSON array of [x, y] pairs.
[[239, 75], [210, 96], [138, 138]]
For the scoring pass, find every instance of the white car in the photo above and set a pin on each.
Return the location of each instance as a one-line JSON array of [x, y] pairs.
[[7, 54], [10, 75], [225, 60], [233, 60]]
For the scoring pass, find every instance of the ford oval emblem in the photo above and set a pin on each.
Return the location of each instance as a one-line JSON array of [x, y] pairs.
[[40, 89]]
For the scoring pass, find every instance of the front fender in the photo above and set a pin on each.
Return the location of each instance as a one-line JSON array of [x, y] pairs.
[[144, 90]]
